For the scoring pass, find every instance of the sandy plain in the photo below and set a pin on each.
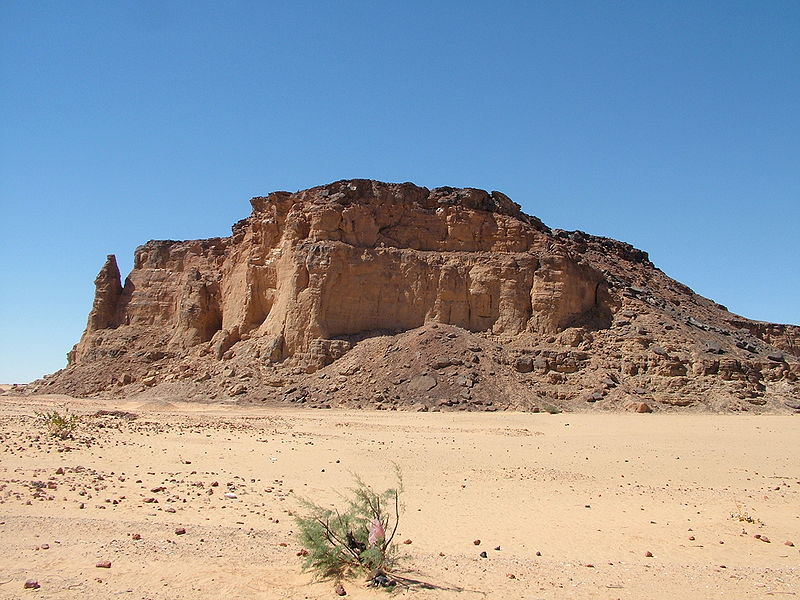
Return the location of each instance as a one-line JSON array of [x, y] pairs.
[[591, 494]]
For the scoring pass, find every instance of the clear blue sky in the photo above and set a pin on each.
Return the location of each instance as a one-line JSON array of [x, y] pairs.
[[674, 126]]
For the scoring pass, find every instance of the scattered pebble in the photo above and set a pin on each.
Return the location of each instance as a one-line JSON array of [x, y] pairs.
[[31, 584], [104, 564], [339, 589], [180, 531]]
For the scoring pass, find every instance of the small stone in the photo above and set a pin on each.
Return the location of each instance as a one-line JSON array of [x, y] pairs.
[[524, 364], [648, 554], [104, 564], [538, 553], [497, 548], [31, 584], [302, 552], [136, 536], [484, 555], [231, 495], [180, 531], [477, 542], [691, 538], [169, 509], [406, 541], [339, 589], [511, 576], [45, 546], [381, 580], [594, 397], [60, 471], [639, 407], [764, 538], [788, 543], [422, 383]]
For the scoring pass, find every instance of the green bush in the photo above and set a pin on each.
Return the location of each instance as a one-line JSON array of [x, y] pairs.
[[58, 425], [358, 539], [550, 408]]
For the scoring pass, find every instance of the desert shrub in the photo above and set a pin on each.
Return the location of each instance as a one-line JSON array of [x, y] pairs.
[[356, 539], [741, 514], [58, 425], [550, 408]]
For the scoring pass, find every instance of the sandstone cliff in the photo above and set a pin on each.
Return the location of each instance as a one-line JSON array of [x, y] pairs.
[[361, 293]]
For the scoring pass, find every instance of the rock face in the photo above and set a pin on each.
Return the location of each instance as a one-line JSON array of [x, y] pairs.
[[403, 296]]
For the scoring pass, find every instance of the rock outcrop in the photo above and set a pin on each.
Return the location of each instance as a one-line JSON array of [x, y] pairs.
[[438, 299]]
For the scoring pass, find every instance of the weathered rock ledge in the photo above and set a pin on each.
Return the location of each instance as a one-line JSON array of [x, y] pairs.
[[362, 293]]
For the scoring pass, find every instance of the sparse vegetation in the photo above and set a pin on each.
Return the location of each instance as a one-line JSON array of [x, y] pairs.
[[742, 515], [58, 425], [359, 539], [550, 408]]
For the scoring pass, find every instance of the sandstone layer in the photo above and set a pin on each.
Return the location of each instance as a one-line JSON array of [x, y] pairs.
[[362, 293]]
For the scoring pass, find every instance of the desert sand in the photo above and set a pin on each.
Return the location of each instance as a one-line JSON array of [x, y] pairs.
[[564, 505]]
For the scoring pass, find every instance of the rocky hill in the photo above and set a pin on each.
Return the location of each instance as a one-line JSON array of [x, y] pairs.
[[368, 294]]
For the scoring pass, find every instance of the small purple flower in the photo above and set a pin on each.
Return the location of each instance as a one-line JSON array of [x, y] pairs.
[[376, 532]]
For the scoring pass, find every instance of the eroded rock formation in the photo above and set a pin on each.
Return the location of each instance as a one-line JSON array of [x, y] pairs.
[[320, 278]]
